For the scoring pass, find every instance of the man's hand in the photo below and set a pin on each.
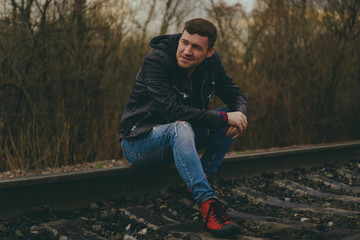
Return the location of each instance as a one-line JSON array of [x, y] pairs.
[[238, 123]]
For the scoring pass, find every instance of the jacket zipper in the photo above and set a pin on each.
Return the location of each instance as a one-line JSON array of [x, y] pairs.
[[201, 93], [191, 88], [209, 96], [138, 122]]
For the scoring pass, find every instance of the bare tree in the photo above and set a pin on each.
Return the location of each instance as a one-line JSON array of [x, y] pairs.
[[230, 20], [174, 13]]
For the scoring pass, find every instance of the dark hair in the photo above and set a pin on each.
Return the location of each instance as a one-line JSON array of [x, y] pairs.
[[203, 28]]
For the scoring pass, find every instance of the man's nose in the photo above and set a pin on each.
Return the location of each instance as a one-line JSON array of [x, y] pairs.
[[187, 50]]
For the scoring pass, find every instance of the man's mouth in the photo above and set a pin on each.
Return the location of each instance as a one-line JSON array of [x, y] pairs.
[[186, 58]]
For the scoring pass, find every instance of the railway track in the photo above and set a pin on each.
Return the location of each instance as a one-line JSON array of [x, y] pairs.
[[298, 193]]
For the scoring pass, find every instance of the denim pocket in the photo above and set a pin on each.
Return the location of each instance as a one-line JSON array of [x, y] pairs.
[[133, 157]]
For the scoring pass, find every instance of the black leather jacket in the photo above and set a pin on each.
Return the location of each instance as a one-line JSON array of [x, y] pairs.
[[163, 92]]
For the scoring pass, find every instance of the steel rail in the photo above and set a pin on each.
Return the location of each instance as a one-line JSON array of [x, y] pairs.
[[77, 189]]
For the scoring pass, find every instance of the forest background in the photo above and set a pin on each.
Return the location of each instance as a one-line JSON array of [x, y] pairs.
[[67, 68]]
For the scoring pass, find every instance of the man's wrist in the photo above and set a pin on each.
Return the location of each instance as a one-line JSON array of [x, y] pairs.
[[223, 118]]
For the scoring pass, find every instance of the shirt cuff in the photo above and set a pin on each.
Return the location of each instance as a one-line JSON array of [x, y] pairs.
[[223, 118]]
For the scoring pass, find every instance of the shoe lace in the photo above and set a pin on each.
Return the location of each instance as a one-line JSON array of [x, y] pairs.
[[217, 210]]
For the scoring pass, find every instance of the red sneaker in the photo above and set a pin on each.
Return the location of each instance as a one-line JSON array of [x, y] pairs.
[[226, 205], [216, 219]]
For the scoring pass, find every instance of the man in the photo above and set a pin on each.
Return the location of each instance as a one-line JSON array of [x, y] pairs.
[[167, 118]]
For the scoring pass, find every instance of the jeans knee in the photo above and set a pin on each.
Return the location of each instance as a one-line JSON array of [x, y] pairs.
[[183, 129]]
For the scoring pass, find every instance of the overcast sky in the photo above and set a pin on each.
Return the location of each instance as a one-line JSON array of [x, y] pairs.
[[248, 4]]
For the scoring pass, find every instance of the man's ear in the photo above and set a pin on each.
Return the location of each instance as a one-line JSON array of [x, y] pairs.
[[210, 52]]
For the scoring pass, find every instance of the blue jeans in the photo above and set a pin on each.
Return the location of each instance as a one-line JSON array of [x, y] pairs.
[[178, 142]]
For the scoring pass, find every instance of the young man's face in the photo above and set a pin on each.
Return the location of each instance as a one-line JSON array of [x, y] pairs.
[[192, 50]]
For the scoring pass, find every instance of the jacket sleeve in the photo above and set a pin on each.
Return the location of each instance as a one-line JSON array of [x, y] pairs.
[[227, 90], [156, 73]]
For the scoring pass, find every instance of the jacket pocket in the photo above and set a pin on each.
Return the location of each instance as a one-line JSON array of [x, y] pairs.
[[184, 96], [139, 121]]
